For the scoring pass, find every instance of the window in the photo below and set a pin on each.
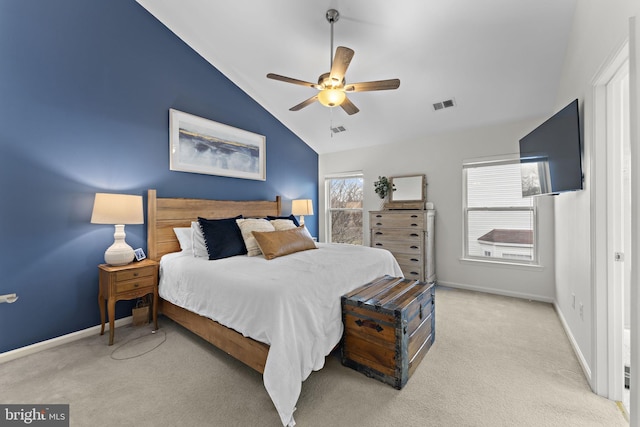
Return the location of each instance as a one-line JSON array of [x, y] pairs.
[[500, 225], [344, 208]]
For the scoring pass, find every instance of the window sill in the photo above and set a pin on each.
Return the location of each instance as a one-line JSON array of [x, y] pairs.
[[490, 263]]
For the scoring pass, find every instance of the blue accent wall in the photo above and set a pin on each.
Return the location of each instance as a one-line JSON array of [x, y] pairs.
[[85, 92]]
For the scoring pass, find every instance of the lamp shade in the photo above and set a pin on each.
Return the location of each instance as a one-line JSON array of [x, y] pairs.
[[117, 209], [302, 207]]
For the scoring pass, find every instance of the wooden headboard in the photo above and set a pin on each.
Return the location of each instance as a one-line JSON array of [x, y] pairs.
[[166, 213]]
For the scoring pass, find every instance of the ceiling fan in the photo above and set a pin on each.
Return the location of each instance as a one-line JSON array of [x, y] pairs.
[[332, 85]]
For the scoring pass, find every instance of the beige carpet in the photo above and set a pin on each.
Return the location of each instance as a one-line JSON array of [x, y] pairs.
[[497, 361]]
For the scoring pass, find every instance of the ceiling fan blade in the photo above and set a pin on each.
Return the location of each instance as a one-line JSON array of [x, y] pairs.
[[304, 103], [341, 62], [348, 107], [375, 85], [294, 81]]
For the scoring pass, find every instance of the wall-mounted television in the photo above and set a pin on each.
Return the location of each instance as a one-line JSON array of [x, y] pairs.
[[551, 155]]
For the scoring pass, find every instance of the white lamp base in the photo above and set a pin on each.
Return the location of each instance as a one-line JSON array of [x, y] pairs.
[[120, 253]]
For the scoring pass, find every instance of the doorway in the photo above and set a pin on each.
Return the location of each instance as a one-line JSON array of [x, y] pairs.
[[611, 210], [619, 229]]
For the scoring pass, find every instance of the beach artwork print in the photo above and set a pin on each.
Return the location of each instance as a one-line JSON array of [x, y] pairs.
[[199, 145]]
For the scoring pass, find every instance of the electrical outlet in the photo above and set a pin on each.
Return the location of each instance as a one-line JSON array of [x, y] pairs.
[[581, 311], [573, 301]]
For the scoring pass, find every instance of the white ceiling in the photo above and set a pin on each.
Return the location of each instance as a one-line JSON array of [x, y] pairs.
[[500, 60]]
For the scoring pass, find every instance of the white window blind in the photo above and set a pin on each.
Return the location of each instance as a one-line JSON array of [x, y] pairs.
[[500, 225]]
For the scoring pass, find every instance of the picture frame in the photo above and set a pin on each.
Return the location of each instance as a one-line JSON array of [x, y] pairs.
[[200, 145], [139, 254]]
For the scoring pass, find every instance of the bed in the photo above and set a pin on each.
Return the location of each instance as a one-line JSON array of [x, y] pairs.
[[286, 312]]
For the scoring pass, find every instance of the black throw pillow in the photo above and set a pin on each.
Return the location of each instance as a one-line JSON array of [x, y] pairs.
[[222, 237]]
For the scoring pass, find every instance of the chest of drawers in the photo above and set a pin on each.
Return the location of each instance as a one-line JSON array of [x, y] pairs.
[[409, 236]]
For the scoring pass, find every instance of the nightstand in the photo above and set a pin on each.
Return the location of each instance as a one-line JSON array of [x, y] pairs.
[[126, 282]]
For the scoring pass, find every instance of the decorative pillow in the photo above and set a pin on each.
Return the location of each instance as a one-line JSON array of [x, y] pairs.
[[282, 224], [291, 217], [222, 237], [197, 241], [184, 238], [279, 243], [253, 224]]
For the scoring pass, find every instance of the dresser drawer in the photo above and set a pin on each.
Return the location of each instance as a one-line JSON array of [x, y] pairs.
[[397, 234], [134, 284], [415, 248], [411, 265], [397, 220], [135, 273]]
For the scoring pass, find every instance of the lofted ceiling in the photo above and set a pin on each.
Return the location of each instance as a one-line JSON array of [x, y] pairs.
[[499, 60]]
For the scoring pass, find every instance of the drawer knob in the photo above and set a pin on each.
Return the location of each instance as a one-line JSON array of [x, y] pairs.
[[378, 223], [135, 274], [378, 244], [415, 274], [414, 234], [378, 216], [414, 259], [135, 285], [413, 247], [378, 232], [414, 225], [414, 216]]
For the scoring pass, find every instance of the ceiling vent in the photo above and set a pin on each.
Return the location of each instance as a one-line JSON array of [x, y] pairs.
[[444, 104], [338, 129]]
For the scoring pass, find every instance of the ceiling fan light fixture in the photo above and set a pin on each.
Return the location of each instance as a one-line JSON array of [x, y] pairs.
[[331, 97]]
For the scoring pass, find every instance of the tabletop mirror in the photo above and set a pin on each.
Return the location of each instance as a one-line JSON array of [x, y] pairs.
[[410, 192]]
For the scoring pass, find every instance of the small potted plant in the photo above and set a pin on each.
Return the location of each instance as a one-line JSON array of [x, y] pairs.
[[383, 187]]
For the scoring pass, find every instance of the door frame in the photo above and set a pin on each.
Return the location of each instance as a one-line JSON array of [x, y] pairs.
[[607, 342]]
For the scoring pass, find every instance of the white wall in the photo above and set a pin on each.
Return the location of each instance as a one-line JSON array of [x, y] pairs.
[[599, 29], [440, 158]]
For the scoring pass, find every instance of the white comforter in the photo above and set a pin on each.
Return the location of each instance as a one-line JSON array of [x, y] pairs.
[[291, 303]]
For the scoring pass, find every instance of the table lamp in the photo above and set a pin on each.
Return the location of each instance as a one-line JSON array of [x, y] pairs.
[[118, 209], [302, 207]]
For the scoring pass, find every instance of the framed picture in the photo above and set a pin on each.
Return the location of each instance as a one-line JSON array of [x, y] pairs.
[[139, 254], [200, 145]]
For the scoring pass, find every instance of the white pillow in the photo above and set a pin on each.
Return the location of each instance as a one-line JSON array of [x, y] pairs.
[[184, 238], [197, 241], [247, 225], [282, 224]]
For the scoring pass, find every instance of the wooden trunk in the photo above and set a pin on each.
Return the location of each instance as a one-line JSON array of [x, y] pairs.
[[389, 326]]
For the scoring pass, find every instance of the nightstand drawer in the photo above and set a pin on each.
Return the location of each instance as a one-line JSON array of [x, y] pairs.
[[135, 273], [138, 283]]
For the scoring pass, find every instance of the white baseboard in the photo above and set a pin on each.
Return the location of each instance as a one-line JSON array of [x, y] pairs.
[[495, 291], [55, 342], [574, 344]]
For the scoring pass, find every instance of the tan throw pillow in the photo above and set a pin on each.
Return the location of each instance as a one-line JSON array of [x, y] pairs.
[[279, 243], [248, 225]]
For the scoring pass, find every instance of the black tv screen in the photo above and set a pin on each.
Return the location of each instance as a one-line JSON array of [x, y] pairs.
[[551, 155]]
